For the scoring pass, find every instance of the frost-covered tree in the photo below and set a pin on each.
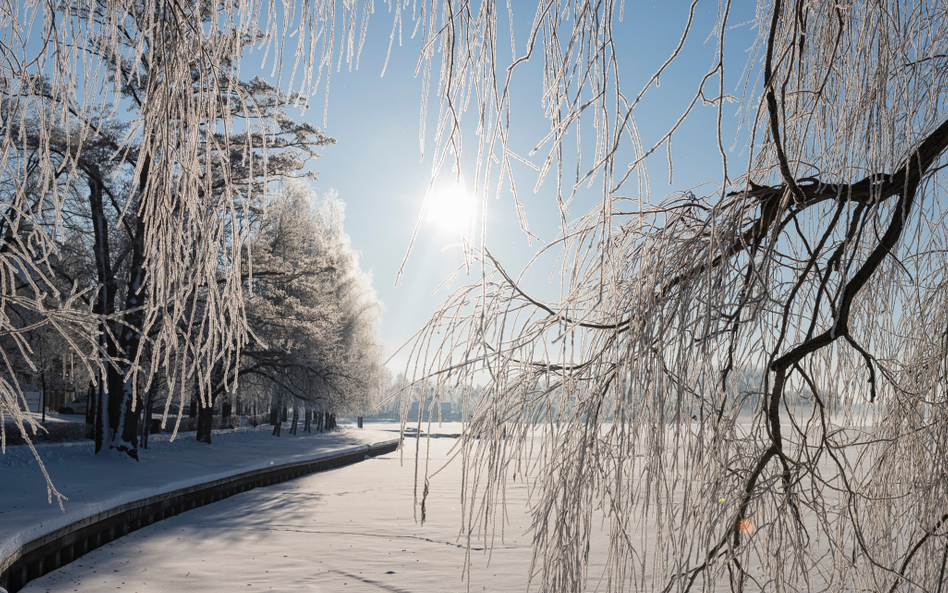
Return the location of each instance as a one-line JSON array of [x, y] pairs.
[[816, 255], [162, 195], [312, 312], [62, 81]]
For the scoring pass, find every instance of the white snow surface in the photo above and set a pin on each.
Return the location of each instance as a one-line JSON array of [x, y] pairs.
[[95, 483], [51, 418], [351, 529]]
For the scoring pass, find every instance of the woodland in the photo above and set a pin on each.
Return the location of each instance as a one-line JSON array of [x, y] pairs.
[[158, 297]]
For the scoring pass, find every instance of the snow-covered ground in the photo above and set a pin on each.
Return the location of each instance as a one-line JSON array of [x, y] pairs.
[[93, 483], [349, 529], [51, 418]]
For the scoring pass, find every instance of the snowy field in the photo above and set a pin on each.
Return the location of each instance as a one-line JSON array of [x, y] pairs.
[[348, 529], [93, 483]]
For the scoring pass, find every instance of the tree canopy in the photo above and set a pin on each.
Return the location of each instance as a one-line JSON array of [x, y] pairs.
[[134, 163]]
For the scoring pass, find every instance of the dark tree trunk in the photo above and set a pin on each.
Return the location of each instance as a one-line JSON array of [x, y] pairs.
[[98, 425], [205, 422], [275, 418], [111, 383], [90, 403], [136, 296], [6, 232], [274, 415], [296, 417], [308, 417], [205, 416], [145, 427]]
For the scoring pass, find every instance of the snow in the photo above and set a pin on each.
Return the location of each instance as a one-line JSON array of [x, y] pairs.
[[350, 529], [95, 483], [51, 418]]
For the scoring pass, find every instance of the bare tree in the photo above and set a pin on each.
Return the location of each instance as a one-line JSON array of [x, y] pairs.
[[67, 70], [817, 266]]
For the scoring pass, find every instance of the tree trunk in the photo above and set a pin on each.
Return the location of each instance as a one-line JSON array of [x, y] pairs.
[[275, 416], [136, 296], [117, 393], [145, 427], [296, 417], [99, 408], [90, 403], [205, 415], [104, 306], [205, 422]]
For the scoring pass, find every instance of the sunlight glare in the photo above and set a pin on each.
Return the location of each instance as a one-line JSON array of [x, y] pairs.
[[451, 209]]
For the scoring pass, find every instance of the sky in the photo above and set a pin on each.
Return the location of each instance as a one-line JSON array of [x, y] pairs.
[[377, 169]]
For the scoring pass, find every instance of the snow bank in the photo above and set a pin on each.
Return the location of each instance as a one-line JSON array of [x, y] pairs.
[[94, 484]]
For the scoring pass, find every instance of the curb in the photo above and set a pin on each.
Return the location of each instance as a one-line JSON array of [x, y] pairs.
[[60, 547]]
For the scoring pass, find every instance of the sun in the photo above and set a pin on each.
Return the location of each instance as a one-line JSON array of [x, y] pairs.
[[451, 209]]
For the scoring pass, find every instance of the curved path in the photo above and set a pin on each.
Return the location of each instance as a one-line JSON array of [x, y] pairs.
[[110, 495], [349, 530]]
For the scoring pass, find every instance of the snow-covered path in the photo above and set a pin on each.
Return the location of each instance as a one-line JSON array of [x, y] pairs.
[[349, 529], [94, 483]]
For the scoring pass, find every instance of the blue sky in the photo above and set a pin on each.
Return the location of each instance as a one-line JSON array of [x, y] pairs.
[[377, 170]]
